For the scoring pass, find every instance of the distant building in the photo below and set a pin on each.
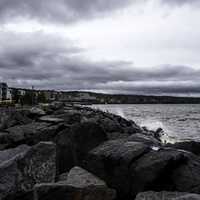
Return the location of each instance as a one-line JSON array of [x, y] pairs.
[[9, 94], [3, 91]]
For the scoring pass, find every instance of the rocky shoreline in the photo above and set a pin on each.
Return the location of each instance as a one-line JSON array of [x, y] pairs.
[[59, 151]]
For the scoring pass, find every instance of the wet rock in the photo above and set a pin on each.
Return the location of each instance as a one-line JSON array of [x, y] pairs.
[[32, 133], [50, 119], [9, 154], [146, 139], [150, 195], [153, 170], [29, 166], [36, 112], [80, 185], [14, 118], [74, 143], [111, 161], [191, 146], [186, 177], [79, 177], [4, 140], [71, 117], [115, 126]]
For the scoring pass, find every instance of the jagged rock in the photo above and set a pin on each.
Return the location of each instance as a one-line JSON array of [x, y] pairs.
[[63, 176], [150, 195], [36, 112], [191, 146], [8, 154], [133, 167], [29, 166], [31, 133], [153, 170], [50, 119], [186, 177], [115, 126], [4, 140], [74, 143], [111, 161], [70, 117], [79, 177], [148, 140], [80, 185], [14, 118]]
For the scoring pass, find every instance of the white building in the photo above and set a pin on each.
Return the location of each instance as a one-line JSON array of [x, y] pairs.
[[9, 94], [5, 92]]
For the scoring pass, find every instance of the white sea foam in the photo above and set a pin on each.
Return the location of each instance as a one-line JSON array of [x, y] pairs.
[[179, 122]]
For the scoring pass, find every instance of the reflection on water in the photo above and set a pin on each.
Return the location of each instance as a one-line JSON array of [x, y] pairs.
[[179, 121]]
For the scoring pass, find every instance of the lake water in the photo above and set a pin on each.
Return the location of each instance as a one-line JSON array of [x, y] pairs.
[[179, 121]]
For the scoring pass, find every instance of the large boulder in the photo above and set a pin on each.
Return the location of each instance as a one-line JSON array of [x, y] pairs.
[[153, 170], [132, 167], [75, 142], [9, 154], [146, 139], [111, 161], [164, 195], [31, 133], [79, 177], [25, 167], [14, 118], [115, 126], [80, 185], [186, 177], [36, 112], [191, 146]]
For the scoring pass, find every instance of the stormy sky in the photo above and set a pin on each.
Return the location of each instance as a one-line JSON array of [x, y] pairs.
[[110, 46]]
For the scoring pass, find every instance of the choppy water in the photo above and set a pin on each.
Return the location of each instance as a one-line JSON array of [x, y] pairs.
[[179, 121]]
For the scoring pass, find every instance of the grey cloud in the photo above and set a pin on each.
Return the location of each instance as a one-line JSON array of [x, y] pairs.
[[51, 63], [65, 11], [69, 11], [180, 2]]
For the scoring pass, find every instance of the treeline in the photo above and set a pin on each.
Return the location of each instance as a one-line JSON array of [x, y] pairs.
[[136, 99]]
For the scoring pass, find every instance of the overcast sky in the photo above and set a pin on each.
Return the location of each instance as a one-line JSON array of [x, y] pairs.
[[112, 46]]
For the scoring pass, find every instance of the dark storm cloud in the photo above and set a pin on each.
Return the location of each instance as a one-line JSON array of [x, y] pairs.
[[68, 11], [58, 11], [51, 63]]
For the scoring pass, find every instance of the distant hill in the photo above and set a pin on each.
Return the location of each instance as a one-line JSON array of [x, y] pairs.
[[130, 99], [97, 98]]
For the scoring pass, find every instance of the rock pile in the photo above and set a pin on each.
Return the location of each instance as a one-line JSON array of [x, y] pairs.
[[77, 153]]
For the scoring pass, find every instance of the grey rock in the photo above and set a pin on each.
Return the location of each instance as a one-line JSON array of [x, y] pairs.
[[9, 154], [50, 119], [20, 174], [146, 139], [164, 195], [81, 178], [154, 169], [80, 185], [74, 143], [186, 177], [14, 118], [191, 146], [35, 111], [32, 133], [111, 161]]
